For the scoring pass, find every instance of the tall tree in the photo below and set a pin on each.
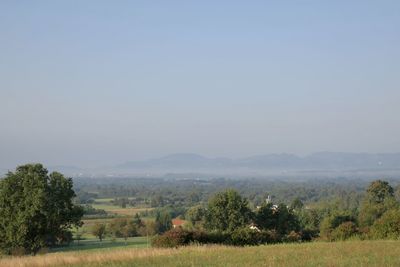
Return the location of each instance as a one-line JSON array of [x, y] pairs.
[[227, 211], [378, 191], [379, 198], [36, 209], [99, 230], [163, 222]]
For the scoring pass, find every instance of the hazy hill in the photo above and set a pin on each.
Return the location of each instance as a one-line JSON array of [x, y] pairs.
[[321, 164], [316, 161]]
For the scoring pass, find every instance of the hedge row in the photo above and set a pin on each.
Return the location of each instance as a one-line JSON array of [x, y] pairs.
[[240, 237]]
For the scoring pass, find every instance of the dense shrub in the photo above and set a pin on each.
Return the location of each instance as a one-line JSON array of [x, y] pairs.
[[309, 234], [344, 231], [181, 237], [388, 226], [293, 237], [271, 236], [173, 238], [218, 238], [246, 236], [240, 237], [329, 225]]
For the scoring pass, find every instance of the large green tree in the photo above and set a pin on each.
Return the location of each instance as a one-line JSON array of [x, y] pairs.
[[36, 209], [378, 199], [227, 211], [281, 219]]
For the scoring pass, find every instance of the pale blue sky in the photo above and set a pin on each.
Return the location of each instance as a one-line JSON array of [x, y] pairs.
[[101, 82]]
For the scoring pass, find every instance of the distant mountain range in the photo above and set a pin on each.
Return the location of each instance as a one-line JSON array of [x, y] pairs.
[[316, 161], [193, 165]]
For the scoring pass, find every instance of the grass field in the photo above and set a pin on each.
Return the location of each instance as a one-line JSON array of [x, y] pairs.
[[105, 204], [112, 211], [350, 253], [108, 243]]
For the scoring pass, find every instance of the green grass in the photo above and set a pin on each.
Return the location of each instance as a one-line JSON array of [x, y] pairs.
[[105, 206], [109, 243], [112, 209], [337, 254], [347, 254]]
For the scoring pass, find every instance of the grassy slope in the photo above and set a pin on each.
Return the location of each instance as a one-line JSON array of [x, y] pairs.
[[351, 253]]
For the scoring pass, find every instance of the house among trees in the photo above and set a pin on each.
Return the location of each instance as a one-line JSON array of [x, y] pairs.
[[268, 200], [177, 223]]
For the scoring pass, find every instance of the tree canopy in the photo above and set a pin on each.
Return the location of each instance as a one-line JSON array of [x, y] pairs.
[[379, 198], [36, 209], [228, 211]]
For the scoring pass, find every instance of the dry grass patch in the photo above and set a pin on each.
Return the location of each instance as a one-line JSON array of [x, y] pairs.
[[78, 258], [338, 254]]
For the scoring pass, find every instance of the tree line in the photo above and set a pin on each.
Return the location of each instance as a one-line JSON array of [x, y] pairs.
[[38, 209], [228, 219]]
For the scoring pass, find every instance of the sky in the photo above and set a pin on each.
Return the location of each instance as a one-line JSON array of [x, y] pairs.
[[90, 83]]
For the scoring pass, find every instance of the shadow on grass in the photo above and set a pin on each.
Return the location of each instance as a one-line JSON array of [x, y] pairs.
[[93, 244]]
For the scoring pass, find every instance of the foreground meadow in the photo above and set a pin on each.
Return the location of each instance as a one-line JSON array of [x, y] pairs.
[[350, 253]]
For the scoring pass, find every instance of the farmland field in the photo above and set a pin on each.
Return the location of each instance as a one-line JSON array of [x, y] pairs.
[[107, 205], [88, 242], [349, 253]]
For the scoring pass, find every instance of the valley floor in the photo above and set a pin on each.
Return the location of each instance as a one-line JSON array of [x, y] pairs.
[[349, 253]]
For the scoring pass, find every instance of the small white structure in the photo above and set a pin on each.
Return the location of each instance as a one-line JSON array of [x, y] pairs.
[[254, 228]]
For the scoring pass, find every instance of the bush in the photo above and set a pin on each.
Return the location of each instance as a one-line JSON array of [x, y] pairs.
[[293, 237], [202, 237], [329, 225], [271, 236], [148, 228], [173, 238], [217, 237], [246, 236], [181, 237], [309, 234], [344, 231], [240, 237], [388, 226], [18, 251]]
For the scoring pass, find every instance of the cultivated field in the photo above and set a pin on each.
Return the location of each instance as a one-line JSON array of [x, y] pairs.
[[112, 211], [350, 253]]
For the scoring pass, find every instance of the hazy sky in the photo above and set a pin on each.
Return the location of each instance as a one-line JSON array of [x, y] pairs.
[[101, 82]]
